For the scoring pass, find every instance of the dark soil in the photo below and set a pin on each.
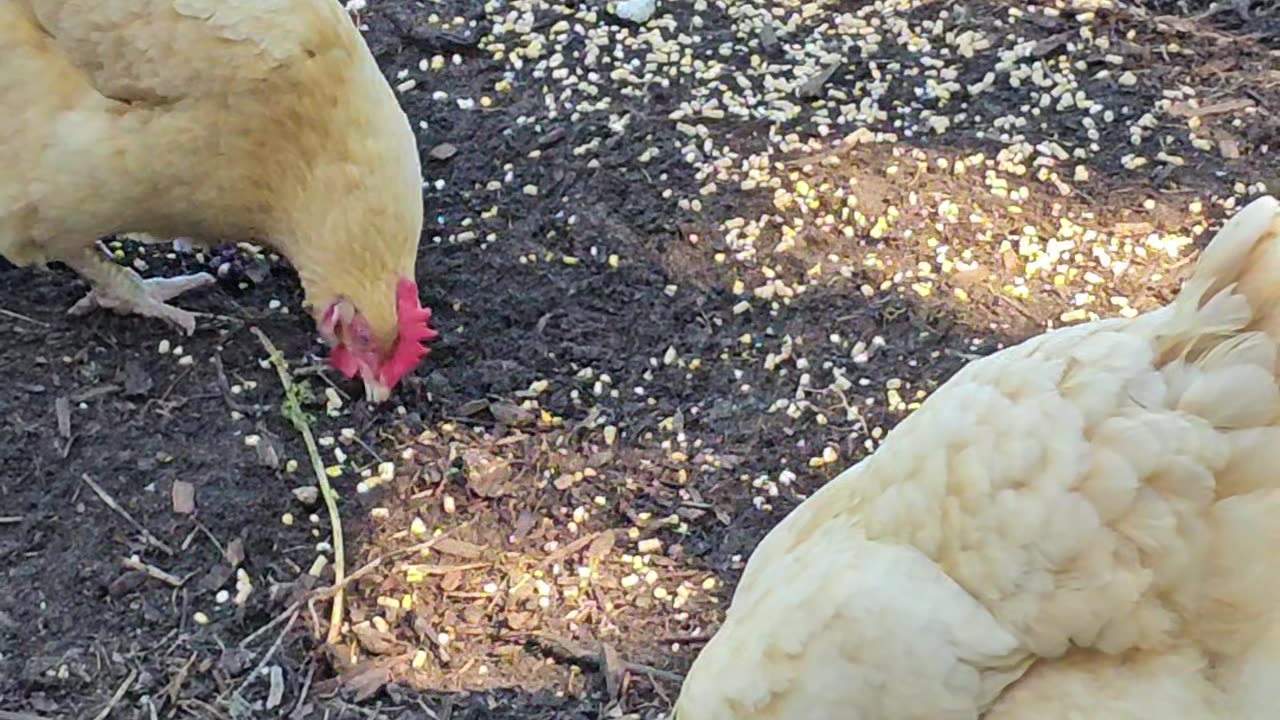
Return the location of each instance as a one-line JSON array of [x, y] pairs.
[[533, 498]]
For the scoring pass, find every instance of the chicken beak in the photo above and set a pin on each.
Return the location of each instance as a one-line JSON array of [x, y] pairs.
[[375, 392]]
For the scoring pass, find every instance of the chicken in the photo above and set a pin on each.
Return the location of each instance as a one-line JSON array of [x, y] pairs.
[[216, 120], [1079, 526]]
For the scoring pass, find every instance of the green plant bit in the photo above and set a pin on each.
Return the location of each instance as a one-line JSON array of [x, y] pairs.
[[291, 408]]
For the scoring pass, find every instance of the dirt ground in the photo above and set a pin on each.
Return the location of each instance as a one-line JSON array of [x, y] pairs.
[[638, 375]]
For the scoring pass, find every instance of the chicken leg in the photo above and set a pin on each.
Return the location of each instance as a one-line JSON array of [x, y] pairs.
[[121, 289]]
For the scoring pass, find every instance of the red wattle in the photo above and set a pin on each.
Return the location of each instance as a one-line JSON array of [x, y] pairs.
[[344, 361]]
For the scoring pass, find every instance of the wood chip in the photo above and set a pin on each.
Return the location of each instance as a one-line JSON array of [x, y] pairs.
[[137, 381], [267, 455], [443, 151], [569, 550], [374, 641], [308, 495], [1229, 148], [1047, 22], [234, 554], [184, 497], [62, 408], [366, 680], [1184, 109], [614, 670], [451, 581], [473, 407], [426, 569], [768, 36], [1051, 43], [276, 693], [812, 88], [94, 392]]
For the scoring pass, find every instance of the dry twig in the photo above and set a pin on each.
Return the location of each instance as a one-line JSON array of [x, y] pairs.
[[111, 503], [23, 318], [570, 652], [115, 699], [292, 410], [306, 689], [271, 651], [323, 593], [152, 571]]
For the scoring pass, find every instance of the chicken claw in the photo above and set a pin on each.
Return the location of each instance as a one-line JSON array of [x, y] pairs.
[[124, 291]]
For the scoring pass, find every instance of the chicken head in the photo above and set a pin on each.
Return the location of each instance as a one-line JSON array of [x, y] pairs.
[[357, 351]]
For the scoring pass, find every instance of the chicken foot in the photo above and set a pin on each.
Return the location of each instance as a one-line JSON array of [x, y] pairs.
[[119, 288]]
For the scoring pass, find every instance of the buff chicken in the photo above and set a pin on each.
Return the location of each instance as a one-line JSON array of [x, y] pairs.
[[1080, 526], [216, 121]]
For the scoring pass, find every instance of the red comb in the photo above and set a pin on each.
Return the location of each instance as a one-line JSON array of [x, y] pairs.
[[415, 331]]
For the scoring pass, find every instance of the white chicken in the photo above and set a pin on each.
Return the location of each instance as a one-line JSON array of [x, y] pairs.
[[1080, 526]]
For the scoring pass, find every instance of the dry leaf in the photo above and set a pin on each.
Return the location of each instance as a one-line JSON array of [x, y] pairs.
[[601, 546], [184, 497], [458, 548], [374, 641], [451, 581], [366, 683], [509, 414], [215, 578], [487, 475], [473, 407], [568, 550], [723, 516]]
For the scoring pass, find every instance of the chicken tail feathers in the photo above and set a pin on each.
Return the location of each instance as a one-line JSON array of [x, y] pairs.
[[1236, 283], [1235, 286]]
